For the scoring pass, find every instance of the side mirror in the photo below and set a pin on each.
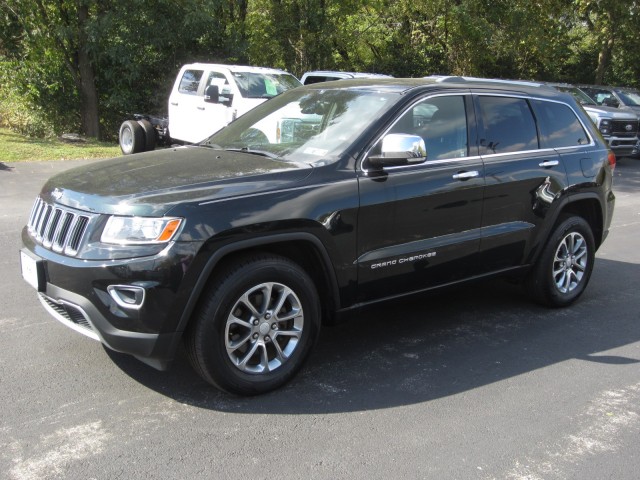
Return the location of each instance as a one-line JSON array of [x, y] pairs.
[[212, 94], [611, 102], [399, 149]]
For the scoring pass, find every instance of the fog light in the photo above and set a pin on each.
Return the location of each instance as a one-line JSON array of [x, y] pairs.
[[127, 296]]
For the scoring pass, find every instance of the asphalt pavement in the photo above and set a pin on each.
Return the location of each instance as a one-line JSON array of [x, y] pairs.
[[475, 383]]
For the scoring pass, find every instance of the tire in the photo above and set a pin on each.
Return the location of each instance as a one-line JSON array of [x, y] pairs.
[[149, 135], [564, 268], [235, 340], [131, 137]]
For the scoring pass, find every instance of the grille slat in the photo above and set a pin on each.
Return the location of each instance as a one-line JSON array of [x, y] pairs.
[[57, 228]]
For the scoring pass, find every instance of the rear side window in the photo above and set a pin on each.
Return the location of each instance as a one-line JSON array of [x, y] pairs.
[[559, 126], [508, 125], [190, 81], [311, 79]]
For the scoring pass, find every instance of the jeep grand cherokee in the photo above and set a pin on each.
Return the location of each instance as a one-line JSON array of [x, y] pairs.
[[241, 246]]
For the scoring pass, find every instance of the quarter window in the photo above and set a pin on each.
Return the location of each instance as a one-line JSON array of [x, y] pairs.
[[559, 125], [190, 81], [508, 124]]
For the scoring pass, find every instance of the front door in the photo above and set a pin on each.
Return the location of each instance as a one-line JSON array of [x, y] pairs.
[[419, 225]]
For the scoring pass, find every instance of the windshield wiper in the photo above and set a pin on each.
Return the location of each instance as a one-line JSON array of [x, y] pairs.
[[262, 153]]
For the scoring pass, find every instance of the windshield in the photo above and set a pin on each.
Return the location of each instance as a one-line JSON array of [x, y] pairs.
[[264, 85], [630, 97], [305, 125]]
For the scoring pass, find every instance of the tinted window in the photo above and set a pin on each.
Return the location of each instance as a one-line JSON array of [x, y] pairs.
[[441, 122], [559, 125], [190, 81], [508, 125], [317, 79]]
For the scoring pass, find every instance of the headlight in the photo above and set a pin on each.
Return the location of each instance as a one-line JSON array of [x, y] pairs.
[[139, 230], [605, 127]]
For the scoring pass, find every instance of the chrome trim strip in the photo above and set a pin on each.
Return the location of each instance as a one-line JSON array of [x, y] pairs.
[[113, 292], [85, 331], [426, 163]]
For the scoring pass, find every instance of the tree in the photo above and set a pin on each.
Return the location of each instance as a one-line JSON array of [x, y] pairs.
[[61, 30]]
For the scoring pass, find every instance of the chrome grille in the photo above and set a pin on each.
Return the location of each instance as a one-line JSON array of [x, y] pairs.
[[624, 128], [57, 228]]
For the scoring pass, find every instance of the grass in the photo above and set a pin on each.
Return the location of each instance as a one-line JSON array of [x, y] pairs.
[[18, 148]]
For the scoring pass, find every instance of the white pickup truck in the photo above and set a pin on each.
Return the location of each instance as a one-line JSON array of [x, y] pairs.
[[205, 97]]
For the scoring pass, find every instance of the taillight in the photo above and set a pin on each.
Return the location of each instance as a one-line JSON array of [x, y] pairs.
[[612, 160]]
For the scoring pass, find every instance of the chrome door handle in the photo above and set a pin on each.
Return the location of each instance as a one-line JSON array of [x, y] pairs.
[[550, 163], [466, 175], [200, 108], [175, 104]]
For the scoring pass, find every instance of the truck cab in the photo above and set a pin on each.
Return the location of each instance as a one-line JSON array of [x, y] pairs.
[[195, 114]]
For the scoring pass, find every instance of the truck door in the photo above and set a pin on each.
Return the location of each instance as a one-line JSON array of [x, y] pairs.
[[214, 116], [184, 102], [419, 224]]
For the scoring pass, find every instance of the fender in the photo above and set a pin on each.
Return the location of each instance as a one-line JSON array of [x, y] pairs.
[[222, 252]]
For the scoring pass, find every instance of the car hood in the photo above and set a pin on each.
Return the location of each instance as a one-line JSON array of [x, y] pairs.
[[610, 112], [151, 183]]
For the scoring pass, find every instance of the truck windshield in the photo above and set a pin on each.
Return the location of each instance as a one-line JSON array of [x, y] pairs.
[[264, 85], [303, 125], [630, 97]]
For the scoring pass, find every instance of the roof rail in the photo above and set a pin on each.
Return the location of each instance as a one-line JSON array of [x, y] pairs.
[[458, 79]]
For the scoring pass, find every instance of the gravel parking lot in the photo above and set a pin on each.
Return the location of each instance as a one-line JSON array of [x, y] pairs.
[[477, 382]]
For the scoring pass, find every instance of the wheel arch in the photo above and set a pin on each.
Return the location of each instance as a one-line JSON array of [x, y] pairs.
[[588, 207], [302, 248]]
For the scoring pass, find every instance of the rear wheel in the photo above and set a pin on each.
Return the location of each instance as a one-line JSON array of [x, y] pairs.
[[565, 265], [149, 135], [255, 326], [131, 137]]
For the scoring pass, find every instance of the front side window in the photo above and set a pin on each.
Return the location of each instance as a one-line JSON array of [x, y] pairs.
[[441, 122], [559, 125], [508, 125], [190, 81]]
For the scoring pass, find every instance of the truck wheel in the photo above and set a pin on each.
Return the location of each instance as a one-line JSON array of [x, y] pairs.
[[565, 265], [255, 325], [149, 135], [131, 137]]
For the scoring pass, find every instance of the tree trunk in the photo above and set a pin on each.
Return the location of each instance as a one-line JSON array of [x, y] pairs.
[[88, 93], [604, 58]]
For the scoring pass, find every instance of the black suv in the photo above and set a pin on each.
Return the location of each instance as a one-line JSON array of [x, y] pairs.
[[321, 200]]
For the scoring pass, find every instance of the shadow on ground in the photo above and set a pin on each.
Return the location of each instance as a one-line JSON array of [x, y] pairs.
[[430, 347]]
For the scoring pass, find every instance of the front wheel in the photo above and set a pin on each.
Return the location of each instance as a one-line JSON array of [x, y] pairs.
[[255, 326], [565, 265]]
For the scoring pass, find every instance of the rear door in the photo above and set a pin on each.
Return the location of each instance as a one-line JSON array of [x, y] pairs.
[[419, 225], [523, 179]]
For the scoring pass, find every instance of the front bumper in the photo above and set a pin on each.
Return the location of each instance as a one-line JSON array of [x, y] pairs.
[[83, 295], [624, 147]]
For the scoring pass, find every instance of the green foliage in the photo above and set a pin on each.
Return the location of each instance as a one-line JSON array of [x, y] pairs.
[[135, 48]]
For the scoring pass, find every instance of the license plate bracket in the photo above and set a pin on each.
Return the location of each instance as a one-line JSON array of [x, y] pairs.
[[32, 271]]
